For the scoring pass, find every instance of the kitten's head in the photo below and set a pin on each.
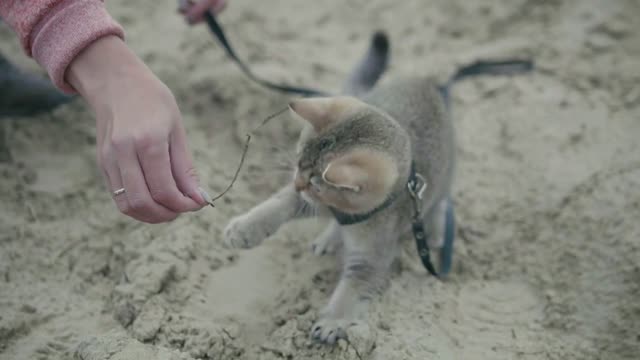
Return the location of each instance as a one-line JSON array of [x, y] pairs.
[[351, 156]]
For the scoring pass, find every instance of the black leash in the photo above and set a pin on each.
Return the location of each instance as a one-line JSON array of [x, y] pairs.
[[416, 187], [216, 29], [484, 67]]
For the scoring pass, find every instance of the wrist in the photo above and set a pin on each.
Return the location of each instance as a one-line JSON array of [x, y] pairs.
[[98, 72]]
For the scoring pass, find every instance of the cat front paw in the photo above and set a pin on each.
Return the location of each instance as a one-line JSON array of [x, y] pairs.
[[324, 245], [243, 233], [327, 242], [329, 330], [359, 340]]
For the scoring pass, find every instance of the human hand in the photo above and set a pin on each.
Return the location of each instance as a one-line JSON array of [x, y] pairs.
[[194, 11], [141, 142]]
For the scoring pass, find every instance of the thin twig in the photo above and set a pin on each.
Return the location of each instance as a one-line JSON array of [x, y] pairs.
[[32, 212], [272, 350], [69, 247], [354, 348], [264, 122], [244, 155], [227, 333], [235, 176]]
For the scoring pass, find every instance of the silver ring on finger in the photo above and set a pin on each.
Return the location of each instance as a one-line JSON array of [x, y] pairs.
[[118, 192]]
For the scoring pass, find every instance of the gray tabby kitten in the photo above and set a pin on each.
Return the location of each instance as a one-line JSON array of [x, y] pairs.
[[355, 153]]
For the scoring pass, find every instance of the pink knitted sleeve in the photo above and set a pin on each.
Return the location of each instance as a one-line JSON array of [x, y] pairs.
[[53, 32]]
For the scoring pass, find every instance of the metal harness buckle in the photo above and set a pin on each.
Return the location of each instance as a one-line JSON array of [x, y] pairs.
[[416, 186]]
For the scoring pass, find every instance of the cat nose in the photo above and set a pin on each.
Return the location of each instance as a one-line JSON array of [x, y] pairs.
[[299, 184]]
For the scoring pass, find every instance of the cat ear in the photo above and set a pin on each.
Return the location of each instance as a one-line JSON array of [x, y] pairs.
[[344, 176], [322, 112], [362, 169]]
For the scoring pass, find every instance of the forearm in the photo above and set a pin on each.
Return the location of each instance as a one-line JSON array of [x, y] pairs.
[[103, 68], [53, 32]]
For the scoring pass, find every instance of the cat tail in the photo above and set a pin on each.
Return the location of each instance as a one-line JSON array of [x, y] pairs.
[[369, 69], [495, 67]]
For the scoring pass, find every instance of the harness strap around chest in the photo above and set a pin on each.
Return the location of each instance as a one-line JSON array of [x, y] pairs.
[[416, 186]]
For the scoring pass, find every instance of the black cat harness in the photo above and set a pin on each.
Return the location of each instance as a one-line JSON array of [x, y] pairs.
[[416, 185]]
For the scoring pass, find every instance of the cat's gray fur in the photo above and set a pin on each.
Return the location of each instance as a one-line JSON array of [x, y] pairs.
[[403, 114]]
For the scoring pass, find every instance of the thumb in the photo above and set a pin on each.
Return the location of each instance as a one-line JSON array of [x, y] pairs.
[[184, 172], [196, 12]]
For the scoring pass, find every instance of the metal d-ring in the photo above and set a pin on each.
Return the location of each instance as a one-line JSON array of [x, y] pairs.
[[416, 187]]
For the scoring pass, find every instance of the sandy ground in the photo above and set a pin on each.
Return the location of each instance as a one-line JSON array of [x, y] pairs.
[[548, 250]]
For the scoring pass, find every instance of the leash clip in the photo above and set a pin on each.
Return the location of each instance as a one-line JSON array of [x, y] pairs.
[[416, 187]]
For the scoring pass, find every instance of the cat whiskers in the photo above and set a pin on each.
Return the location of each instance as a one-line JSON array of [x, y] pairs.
[[285, 157], [306, 209], [300, 210], [282, 161], [315, 210], [277, 168], [272, 164], [281, 150]]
